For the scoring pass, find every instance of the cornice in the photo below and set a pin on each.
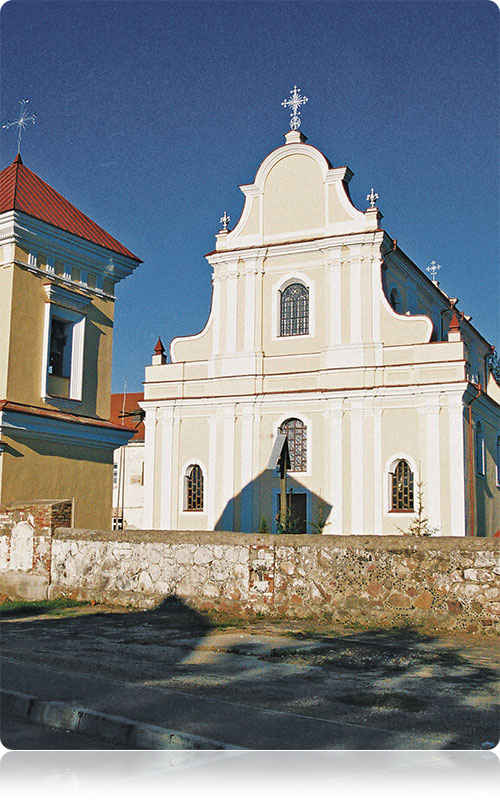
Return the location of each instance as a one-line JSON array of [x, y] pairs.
[[319, 243], [43, 236], [27, 426], [62, 281]]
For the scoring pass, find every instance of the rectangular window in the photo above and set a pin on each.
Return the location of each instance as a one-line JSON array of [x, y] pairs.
[[60, 347], [62, 371]]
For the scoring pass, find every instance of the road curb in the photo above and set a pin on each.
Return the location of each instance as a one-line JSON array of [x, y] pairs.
[[133, 734]]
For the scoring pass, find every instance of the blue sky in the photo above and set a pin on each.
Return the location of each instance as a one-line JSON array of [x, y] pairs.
[[150, 114]]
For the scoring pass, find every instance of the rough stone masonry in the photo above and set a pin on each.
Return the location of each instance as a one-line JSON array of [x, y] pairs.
[[442, 583]]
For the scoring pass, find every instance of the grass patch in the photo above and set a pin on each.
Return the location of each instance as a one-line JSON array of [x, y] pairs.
[[56, 606]]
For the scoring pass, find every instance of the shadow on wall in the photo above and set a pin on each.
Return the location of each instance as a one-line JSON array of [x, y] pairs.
[[256, 507]]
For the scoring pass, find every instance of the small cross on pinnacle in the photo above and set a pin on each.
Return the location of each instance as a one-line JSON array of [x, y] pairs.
[[294, 102], [21, 122], [372, 198], [225, 220], [433, 269]]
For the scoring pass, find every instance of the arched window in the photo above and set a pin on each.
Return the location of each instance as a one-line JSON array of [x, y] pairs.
[[296, 433], [294, 311], [402, 488], [479, 448], [193, 489], [395, 300]]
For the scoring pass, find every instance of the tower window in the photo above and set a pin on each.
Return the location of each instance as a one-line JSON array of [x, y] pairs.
[[294, 311], [296, 433], [60, 347], [193, 489], [402, 488]]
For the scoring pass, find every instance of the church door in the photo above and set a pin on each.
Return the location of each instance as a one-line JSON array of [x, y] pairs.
[[297, 512]]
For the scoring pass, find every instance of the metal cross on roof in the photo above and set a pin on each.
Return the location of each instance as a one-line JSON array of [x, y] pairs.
[[372, 198], [21, 122], [432, 269], [225, 220], [294, 102]]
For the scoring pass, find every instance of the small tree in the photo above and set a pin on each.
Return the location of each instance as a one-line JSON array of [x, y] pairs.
[[420, 526], [318, 525], [263, 526], [290, 526]]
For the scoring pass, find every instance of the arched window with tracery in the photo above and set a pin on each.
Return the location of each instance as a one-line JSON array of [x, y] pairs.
[[296, 432], [294, 311], [193, 489], [480, 467], [402, 487]]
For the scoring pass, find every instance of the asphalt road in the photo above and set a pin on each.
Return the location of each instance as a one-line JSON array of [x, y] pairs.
[[21, 735], [264, 686]]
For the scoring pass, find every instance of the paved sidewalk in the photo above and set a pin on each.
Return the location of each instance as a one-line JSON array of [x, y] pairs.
[[263, 686]]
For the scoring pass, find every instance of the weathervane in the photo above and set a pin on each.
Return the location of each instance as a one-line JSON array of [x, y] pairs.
[[433, 268], [225, 220], [294, 102], [21, 122], [372, 198]]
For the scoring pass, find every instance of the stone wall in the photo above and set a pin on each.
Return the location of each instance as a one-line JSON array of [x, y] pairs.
[[26, 531], [439, 582]]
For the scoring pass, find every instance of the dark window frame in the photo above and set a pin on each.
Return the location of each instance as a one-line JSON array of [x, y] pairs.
[[296, 431], [402, 488], [294, 310], [194, 489]]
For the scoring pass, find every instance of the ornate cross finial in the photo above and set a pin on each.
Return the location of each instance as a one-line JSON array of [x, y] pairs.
[[225, 220], [432, 269], [21, 122], [294, 102], [372, 198]]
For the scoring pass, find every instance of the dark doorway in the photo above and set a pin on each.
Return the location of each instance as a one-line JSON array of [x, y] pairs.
[[297, 512]]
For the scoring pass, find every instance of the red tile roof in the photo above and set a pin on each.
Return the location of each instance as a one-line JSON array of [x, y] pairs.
[[68, 417], [131, 405], [22, 190]]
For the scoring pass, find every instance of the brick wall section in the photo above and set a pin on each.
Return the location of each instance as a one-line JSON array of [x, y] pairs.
[[441, 583], [44, 517]]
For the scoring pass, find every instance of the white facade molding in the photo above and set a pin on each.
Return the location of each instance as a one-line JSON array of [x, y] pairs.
[[33, 234], [62, 296], [432, 488], [357, 442], [167, 472], [246, 467], [150, 475]]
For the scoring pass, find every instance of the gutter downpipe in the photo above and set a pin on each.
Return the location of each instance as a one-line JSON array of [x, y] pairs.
[[471, 461]]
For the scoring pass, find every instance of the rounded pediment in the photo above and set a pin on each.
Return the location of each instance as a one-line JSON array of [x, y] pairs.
[[296, 195]]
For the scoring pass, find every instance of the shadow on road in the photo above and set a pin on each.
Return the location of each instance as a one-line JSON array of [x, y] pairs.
[[400, 683]]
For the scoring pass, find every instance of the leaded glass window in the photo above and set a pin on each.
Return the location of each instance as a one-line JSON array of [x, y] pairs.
[[296, 433], [479, 449], [294, 311], [402, 488], [194, 489]]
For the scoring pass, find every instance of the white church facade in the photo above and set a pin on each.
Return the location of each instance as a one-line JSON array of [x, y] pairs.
[[322, 328]]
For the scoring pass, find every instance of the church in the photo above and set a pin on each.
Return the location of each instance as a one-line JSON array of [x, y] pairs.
[[323, 329]]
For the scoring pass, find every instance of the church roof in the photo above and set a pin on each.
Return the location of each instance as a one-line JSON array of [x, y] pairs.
[[22, 190], [127, 404]]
